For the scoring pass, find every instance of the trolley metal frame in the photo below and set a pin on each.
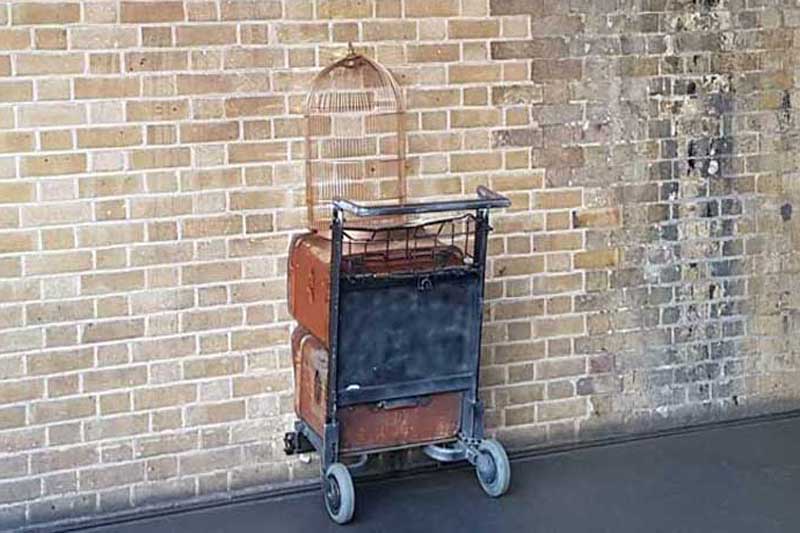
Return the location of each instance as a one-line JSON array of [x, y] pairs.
[[466, 445]]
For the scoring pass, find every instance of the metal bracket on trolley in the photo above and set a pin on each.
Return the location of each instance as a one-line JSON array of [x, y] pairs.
[[463, 449]]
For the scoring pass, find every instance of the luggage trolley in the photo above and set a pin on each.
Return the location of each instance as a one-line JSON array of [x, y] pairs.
[[396, 339], [388, 296]]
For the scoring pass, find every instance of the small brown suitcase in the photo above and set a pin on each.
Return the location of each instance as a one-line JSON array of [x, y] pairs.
[[309, 274], [376, 425]]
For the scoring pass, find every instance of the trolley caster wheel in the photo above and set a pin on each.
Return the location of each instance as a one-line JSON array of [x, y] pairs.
[[290, 443], [295, 442], [492, 468], [339, 494]]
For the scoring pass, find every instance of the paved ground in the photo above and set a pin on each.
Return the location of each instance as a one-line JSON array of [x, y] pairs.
[[732, 479]]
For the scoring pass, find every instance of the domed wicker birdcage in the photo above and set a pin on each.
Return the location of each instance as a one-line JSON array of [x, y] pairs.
[[355, 138]]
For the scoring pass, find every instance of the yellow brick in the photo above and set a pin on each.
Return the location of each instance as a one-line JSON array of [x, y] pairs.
[[158, 36], [51, 39], [596, 259], [51, 115], [14, 193], [58, 238], [56, 140], [155, 61], [19, 290], [122, 185], [558, 199], [13, 141], [206, 34], [558, 220], [112, 282], [258, 200], [105, 63], [16, 91], [474, 162], [159, 397], [596, 218], [211, 319], [209, 83], [54, 263], [428, 8], [49, 64], [302, 33], [215, 413], [524, 182], [557, 241], [247, 247], [428, 98], [389, 30], [474, 73], [162, 134], [109, 234], [117, 378], [14, 39], [249, 152], [554, 327], [161, 206], [110, 210], [100, 12], [10, 267], [16, 391], [518, 266], [57, 410], [106, 87], [45, 13], [103, 37], [473, 118], [5, 65], [58, 386], [166, 110], [67, 213], [59, 311], [113, 330], [251, 58], [160, 158], [51, 165], [213, 366], [250, 9], [199, 132], [151, 12], [162, 231], [344, 9], [198, 180], [194, 228], [254, 106], [473, 29], [109, 137], [53, 89], [210, 273], [433, 53]]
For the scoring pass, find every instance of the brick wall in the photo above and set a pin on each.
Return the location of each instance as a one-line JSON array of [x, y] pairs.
[[150, 180]]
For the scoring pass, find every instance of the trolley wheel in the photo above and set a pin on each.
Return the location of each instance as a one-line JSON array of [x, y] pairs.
[[493, 468], [339, 494]]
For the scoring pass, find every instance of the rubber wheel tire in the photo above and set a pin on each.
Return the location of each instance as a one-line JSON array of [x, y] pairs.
[[339, 494], [496, 482]]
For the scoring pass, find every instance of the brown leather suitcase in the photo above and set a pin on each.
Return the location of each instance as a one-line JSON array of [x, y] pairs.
[[375, 425], [309, 273]]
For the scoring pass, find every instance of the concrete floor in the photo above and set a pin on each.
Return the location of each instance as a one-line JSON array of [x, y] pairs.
[[729, 479]]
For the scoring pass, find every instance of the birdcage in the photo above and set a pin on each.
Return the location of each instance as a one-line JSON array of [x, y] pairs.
[[355, 146]]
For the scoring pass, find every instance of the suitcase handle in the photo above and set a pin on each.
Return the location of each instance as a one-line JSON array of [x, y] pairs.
[[403, 403], [487, 199]]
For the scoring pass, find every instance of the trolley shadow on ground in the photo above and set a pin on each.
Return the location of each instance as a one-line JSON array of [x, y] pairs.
[[729, 479]]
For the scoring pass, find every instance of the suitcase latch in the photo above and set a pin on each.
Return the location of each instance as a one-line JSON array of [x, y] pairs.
[[424, 284]]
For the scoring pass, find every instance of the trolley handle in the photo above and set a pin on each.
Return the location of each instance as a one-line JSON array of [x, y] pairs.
[[487, 199]]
